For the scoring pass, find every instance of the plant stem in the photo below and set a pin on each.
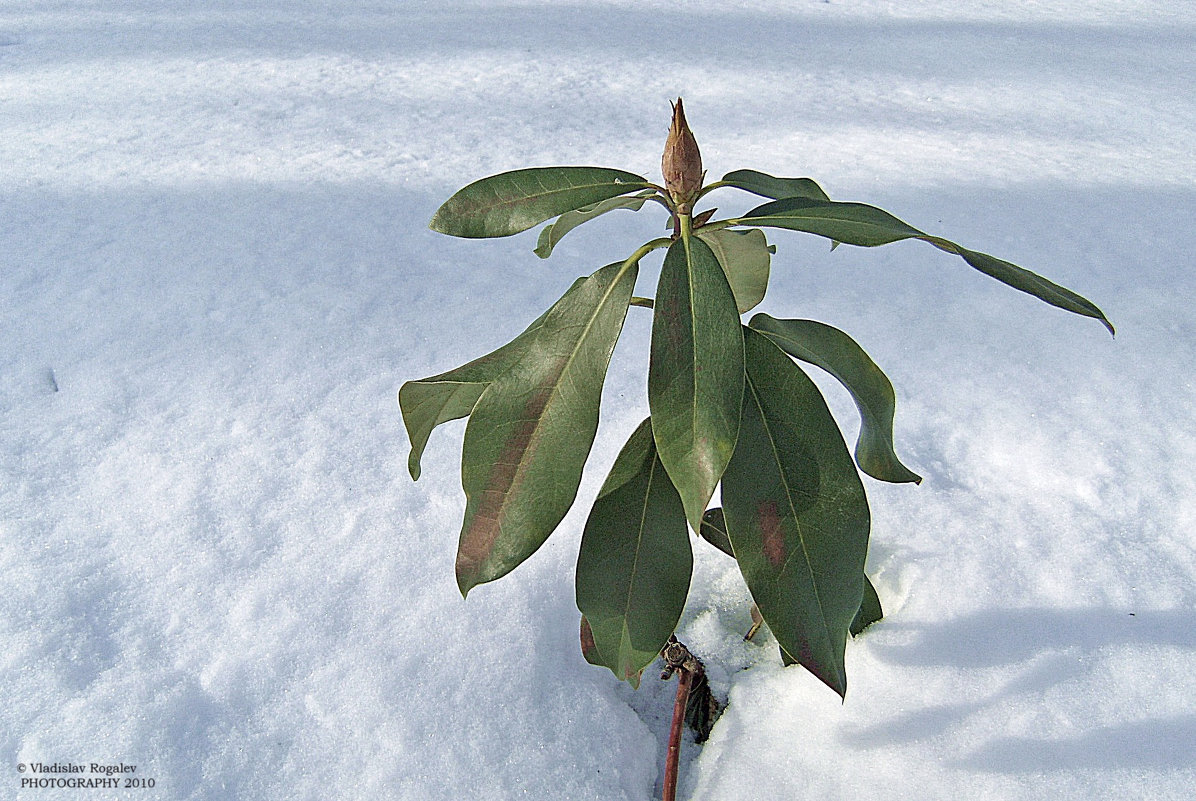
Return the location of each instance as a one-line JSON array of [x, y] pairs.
[[710, 188], [672, 758], [690, 671], [662, 199], [718, 225], [645, 249]]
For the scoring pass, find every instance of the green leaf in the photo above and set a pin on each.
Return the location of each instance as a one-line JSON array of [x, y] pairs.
[[766, 185], [838, 354], [552, 234], [868, 226], [428, 402], [870, 610], [744, 257], [714, 531], [796, 513], [530, 433], [695, 372], [634, 565], [850, 223], [1024, 280], [510, 202]]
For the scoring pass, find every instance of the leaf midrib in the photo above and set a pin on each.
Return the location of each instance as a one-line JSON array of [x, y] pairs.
[[533, 439], [502, 204], [625, 635], [793, 511], [693, 327], [871, 227]]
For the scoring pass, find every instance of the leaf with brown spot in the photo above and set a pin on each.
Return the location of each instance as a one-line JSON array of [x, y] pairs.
[[796, 512], [530, 433]]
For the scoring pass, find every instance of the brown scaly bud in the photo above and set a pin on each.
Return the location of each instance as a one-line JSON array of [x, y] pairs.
[[682, 162]]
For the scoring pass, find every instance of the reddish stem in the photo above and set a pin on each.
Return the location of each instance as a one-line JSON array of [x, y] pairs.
[[684, 678]]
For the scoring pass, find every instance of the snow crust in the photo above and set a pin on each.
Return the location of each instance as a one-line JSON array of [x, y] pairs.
[[215, 272]]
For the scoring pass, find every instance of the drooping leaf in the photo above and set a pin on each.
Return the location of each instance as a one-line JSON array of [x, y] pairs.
[[870, 610], [530, 433], [745, 257], [695, 373], [868, 226], [796, 513], [1022, 279], [768, 186], [634, 565], [428, 402], [840, 355], [552, 234], [714, 531], [510, 202]]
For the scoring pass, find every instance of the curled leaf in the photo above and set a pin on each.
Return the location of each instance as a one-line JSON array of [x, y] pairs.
[[552, 234], [428, 402], [840, 355]]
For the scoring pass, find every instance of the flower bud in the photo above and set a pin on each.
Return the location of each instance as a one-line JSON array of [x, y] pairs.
[[682, 163]]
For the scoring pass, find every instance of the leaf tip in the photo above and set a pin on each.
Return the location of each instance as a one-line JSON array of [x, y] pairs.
[[437, 223], [465, 582]]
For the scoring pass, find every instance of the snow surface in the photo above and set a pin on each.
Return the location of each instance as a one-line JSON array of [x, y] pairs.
[[215, 272]]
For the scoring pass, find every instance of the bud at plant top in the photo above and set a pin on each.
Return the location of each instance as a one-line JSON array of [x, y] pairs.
[[682, 163]]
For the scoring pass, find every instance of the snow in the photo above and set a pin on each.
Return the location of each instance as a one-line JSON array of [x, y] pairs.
[[215, 272]]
